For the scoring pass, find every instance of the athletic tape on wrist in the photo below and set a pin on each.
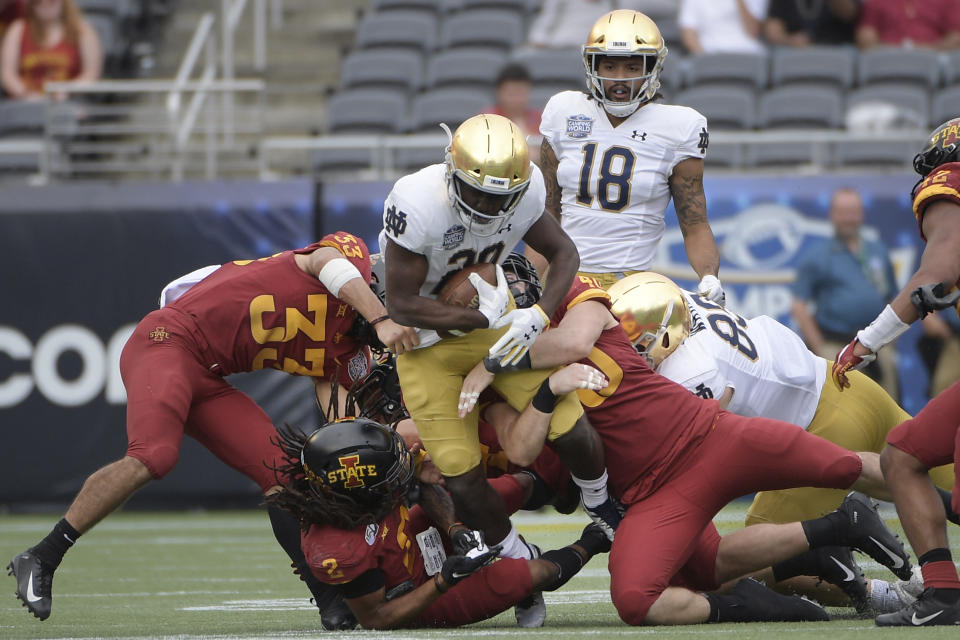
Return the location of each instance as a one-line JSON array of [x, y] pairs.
[[885, 329]]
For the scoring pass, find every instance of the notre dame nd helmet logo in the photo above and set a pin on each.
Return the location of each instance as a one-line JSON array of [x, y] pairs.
[[351, 473]]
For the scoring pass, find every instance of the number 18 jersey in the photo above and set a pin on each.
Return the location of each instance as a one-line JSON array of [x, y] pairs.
[[614, 179]]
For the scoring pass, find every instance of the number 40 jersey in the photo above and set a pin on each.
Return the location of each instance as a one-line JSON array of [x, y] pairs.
[[770, 369], [614, 179]]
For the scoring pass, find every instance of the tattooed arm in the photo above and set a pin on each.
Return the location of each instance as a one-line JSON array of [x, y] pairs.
[[686, 187], [548, 165]]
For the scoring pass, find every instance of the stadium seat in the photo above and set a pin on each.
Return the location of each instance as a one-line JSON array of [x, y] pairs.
[[888, 154], [432, 6], [918, 67], [914, 104], [834, 65], [451, 106], [366, 111], [724, 107], [801, 107], [516, 8], [412, 29], [946, 105], [745, 69], [553, 67], [465, 66], [399, 68], [539, 96], [951, 67], [19, 116], [482, 27]]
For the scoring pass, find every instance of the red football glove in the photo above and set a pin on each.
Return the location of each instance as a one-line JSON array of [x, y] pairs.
[[847, 360]]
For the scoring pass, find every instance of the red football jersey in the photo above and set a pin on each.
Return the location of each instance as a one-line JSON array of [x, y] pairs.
[[648, 423], [268, 313], [337, 556], [943, 183]]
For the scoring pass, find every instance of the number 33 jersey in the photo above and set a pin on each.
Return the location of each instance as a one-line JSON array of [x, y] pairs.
[[770, 369], [613, 180]]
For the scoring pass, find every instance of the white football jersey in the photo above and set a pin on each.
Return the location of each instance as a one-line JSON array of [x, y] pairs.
[[770, 369], [614, 180], [419, 217]]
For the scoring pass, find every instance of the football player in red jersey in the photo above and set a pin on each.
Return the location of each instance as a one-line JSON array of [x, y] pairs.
[[297, 311], [391, 545], [675, 461], [933, 437]]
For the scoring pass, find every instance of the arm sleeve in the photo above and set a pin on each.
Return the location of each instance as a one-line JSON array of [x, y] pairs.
[[367, 582]]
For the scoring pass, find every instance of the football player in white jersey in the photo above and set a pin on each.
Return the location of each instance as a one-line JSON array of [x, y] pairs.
[[612, 159], [756, 367], [475, 207]]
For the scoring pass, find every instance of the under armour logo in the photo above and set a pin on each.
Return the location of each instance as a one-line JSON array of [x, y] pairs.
[[641, 136], [704, 141], [703, 391], [507, 228]]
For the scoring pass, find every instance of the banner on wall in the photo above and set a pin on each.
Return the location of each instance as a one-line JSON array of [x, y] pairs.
[[81, 265], [762, 225]]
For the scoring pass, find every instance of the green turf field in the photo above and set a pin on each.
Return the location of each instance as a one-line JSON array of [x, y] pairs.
[[222, 575]]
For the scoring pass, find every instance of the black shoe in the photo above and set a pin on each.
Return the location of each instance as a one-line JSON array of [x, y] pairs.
[[929, 610], [337, 616], [869, 534], [606, 515], [761, 604], [837, 566], [34, 583]]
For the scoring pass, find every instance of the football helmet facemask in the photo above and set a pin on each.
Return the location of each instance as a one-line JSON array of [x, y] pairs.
[[624, 33], [943, 146], [653, 312], [362, 460], [488, 171], [522, 279], [378, 396]]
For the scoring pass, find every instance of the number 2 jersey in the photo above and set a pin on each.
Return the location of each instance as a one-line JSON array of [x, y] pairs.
[[418, 216], [649, 425], [614, 180], [770, 369], [269, 313]]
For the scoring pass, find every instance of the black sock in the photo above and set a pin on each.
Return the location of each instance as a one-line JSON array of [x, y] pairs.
[[828, 531], [801, 565], [286, 529], [541, 493], [947, 499], [51, 549], [568, 560]]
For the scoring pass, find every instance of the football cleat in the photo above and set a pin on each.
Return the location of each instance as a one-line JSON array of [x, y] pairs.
[[34, 583], [760, 604], [531, 612], [337, 616], [606, 515], [930, 609], [867, 533], [837, 566], [909, 590]]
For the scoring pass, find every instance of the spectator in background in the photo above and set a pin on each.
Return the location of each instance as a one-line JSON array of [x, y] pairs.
[[728, 26], [909, 23], [52, 43], [512, 93], [10, 10], [559, 25], [850, 280], [800, 23]]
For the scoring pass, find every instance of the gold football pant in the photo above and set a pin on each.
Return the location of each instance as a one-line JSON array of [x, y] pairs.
[[432, 378], [857, 419]]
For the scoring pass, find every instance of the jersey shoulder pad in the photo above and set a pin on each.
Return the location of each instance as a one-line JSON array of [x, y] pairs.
[[582, 289], [943, 183], [560, 108], [416, 207], [336, 555]]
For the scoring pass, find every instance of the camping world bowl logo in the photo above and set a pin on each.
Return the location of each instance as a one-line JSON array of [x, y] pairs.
[[579, 126]]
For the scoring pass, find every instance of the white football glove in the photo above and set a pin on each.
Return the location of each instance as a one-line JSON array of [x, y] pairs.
[[711, 289], [525, 325], [493, 300]]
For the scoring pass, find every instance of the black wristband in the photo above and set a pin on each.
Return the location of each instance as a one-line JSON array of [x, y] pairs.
[[493, 364], [545, 399], [375, 321], [436, 583]]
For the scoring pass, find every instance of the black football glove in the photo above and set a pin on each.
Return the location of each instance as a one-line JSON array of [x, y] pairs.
[[456, 568], [465, 540]]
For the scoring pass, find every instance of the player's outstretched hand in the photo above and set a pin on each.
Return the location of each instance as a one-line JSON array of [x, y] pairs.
[[473, 385], [493, 300], [711, 289], [577, 376], [525, 325], [849, 360]]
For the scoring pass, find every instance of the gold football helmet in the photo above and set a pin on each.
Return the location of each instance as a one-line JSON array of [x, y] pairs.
[[653, 312], [488, 171], [625, 33]]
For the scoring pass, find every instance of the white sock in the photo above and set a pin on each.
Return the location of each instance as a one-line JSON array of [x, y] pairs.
[[593, 492], [514, 546]]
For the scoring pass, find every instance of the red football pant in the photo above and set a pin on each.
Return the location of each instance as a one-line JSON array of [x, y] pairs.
[[933, 436], [171, 392], [668, 537]]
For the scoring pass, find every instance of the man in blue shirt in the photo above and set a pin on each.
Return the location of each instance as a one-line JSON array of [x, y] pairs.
[[842, 284]]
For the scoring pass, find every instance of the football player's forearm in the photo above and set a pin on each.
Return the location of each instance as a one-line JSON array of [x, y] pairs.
[[702, 250], [427, 313], [438, 505], [398, 611]]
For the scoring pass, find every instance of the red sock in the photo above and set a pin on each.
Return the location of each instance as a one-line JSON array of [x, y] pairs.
[[940, 575]]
